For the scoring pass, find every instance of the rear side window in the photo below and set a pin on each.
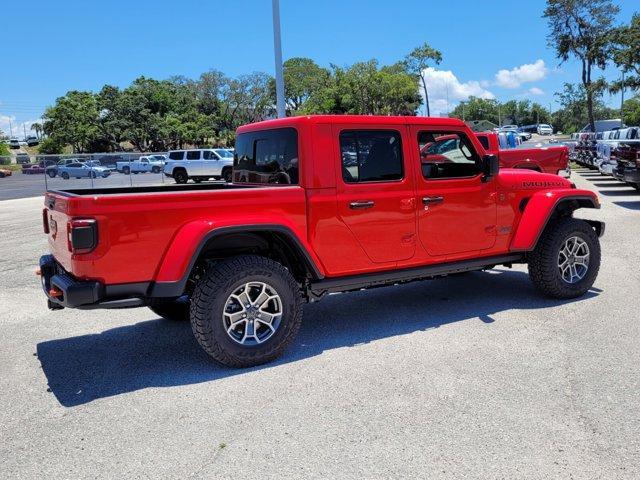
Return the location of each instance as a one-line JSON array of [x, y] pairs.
[[176, 155], [371, 156], [484, 141], [267, 156], [447, 155], [193, 155]]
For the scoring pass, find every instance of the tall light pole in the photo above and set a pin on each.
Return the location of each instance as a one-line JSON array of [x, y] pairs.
[[277, 48]]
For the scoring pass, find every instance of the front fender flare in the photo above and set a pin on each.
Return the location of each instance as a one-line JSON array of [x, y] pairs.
[[539, 210]]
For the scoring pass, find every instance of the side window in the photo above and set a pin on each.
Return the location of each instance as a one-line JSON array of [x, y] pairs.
[[371, 156], [176, 155], [484, 141], [267, 156], [447, 155], [208, 155], [193, 155]]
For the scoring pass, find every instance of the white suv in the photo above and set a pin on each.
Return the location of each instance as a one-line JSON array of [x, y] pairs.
[[544, 129], [198, 165]]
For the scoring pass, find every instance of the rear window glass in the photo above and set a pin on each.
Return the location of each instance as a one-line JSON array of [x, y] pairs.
[[193, 155], [267, 156], [176, 155]]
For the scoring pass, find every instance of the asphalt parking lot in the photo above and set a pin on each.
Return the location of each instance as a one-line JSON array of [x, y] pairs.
[[472, 376]]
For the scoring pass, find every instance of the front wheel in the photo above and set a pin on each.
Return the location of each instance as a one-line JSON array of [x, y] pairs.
[[65, 175], [126, 170], [51, 173], [246, 310], [566, 260], [155, 170]]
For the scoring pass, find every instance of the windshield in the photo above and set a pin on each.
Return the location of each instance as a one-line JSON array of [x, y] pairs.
[[544, 125], [224, 153]]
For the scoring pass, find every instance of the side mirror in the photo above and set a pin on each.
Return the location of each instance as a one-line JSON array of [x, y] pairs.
[[490, 166]]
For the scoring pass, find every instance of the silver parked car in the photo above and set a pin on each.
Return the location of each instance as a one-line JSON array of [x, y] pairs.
[[82, 170]]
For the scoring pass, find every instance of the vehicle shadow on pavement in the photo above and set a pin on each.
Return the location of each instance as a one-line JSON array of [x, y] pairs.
[[159, 353]]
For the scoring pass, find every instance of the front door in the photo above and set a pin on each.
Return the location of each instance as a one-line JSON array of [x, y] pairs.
[[456, 207], [375, 194]]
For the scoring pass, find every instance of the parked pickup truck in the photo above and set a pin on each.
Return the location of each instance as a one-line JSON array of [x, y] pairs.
[[626, 154], [553, 160], [199, 165], [141, 165], [319, 204]]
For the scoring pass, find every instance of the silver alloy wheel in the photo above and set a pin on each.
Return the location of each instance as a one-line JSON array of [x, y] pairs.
[[573, 259], [252, 313]]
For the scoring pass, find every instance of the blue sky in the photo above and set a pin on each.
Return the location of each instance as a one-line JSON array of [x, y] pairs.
[[491, 48]]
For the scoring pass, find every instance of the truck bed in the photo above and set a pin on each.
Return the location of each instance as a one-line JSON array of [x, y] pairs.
[[174, 187]]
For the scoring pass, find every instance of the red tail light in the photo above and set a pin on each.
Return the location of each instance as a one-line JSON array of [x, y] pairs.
[[82, 235]]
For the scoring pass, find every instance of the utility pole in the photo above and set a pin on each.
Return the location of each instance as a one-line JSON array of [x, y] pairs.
[[24, 129], [622, 101], [277, 47]]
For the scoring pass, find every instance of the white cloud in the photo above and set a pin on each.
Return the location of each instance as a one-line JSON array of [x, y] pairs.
[[9, 123], [535, 91], [445, 90], [529, 72]]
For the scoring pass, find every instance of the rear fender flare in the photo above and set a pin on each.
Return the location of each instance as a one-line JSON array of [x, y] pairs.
[[542, 206], [185, 248]]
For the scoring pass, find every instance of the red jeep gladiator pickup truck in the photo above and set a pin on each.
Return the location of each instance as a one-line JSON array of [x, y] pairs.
[[553, 160], [318, 204]]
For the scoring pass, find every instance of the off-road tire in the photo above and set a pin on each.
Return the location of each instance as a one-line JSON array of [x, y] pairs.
[[155, 169], [227, 174], [208, 302], [543, 261], [174, 310], [180, 176]]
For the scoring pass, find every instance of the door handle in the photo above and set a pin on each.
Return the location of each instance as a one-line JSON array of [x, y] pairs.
[[361, 204], [432, 200]]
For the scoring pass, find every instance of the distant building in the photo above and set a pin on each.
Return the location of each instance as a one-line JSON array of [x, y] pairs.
[[481, 125], [604, 125]]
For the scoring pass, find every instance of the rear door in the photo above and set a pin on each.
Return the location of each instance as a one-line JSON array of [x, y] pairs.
[[456, 208], [193, 163], [210, 163], [375, 192]]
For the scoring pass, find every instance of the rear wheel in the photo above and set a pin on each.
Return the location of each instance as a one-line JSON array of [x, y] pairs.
[[226, 174], [65, 175], [52, 173], [180, 176], [174, 309], [126, 170], [246, 310], [566, 260], [155, 170]]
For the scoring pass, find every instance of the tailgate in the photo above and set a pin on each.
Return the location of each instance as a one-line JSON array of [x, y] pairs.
[[55, 219]]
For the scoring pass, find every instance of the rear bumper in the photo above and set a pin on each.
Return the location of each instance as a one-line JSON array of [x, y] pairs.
[[64, 291]]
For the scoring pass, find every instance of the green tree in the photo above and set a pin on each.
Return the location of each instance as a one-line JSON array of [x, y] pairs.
[[303, 78], [626, 54], [582, 29], [631, 111], [73, 120], [50, 146], [573, 114], [475, 108], [417, 61]]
